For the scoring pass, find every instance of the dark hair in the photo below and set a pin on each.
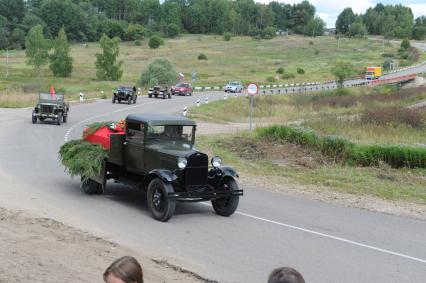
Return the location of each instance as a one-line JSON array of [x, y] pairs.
[[126, 268], [285, 275]]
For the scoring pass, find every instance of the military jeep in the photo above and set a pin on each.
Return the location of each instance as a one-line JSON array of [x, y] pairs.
[[159, 91], [51, 106], [125, 93], [156, 154]]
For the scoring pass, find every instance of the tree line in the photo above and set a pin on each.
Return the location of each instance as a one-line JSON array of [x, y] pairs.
[[87, 20], [390, 21]]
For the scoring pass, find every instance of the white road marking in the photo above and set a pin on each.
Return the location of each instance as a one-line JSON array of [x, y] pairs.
[[340, 239]]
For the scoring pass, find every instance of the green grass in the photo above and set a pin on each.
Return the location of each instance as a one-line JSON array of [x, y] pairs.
[[382, 182], [242, 58]]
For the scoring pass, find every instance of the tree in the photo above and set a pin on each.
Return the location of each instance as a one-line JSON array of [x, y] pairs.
[[155, 41], [160, 71], [357, 28], [60, 60], [341, 71], [36, 48], [345, 20], [107, 67], [315, 27]]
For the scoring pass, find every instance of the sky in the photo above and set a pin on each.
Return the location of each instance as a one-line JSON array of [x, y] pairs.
[[329, 10]]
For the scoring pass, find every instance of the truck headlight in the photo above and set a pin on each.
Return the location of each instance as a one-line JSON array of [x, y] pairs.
[[181, 162], [216, 161]]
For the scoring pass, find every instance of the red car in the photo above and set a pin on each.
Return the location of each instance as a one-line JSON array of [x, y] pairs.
[[182, 89]]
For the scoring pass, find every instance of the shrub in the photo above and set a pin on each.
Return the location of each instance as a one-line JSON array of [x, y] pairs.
[[300, 71], [316, 52], [172, 30], [345, 151], [155, 41], [270, 79], [388, 55], [202, 57], [138, 43], [269, 32], [287, 76], [227, 36], [280, 70], [311, 43], [405, 44]]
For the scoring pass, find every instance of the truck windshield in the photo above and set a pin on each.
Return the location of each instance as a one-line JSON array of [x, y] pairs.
[[171, 133], [54, 97]]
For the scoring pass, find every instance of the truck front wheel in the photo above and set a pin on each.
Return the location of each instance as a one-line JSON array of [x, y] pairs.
[[226, 206], [162, 208], [90, 187], [34, 119]]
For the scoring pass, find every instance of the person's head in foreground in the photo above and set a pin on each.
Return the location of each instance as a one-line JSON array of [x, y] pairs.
[[124, 270], [285, 275]]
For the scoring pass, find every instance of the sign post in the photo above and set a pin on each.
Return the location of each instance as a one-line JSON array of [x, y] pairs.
[[252, 90]]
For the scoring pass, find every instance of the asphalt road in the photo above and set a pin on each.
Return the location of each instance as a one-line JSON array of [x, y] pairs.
[[326, 242]]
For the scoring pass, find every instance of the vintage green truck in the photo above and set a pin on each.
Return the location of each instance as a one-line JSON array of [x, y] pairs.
[[155, 153]]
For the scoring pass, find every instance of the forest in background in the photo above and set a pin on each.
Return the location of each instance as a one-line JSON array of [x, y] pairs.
[[87, 20]]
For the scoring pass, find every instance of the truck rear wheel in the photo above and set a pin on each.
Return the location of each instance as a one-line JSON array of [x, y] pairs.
[[90, 187], [226, 206], [162, 208], [64, 118]]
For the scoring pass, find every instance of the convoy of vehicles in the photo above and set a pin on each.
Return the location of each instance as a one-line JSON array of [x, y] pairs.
[[125, 93], [156, 153], [51, 106]]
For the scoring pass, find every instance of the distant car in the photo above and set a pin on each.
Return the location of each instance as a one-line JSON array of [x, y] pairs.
[[234, 87], [182, 89], [125, 93], [51, 106], [159, 91]]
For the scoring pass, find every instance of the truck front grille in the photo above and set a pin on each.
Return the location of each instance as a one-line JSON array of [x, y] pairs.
[[46, 109], [196, 170]]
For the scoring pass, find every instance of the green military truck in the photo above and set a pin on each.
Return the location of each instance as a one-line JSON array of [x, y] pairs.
[[156, 153], [52, 107]]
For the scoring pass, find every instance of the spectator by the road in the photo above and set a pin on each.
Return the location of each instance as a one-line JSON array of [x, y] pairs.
[[124, 270], [285, 275]]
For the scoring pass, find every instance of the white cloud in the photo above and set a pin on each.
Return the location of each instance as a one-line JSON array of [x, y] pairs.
[[418, 9]]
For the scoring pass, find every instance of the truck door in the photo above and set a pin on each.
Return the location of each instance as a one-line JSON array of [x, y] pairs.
[[134, 147]]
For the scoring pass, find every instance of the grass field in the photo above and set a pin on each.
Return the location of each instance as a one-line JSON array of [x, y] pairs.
[[326, 114], [242, 58]]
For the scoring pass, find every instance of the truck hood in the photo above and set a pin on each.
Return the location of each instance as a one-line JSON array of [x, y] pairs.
[[176, 149]]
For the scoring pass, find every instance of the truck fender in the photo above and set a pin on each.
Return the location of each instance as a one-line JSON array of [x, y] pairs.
[[165, 175], [217, 175]]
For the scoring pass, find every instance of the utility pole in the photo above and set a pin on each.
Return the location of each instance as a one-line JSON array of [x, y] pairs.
[[7, 63]]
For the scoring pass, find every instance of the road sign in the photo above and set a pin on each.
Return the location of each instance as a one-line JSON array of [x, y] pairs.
[[252, 89]]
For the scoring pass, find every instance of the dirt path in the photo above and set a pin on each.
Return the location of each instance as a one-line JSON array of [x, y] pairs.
[[44, 250]]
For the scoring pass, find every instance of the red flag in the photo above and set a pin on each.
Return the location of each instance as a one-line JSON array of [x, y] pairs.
[[52, 91]]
